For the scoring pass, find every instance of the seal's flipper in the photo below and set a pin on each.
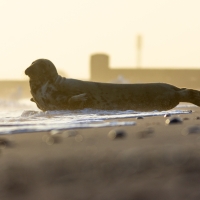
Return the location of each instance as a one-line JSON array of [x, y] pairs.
[[36, 103], [32, 100], [78, 100], [190, 95]]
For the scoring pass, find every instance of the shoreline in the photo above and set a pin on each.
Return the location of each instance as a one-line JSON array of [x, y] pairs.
[[150, 160], [21, 121]]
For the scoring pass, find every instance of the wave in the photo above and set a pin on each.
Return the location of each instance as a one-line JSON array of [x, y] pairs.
[[34, 120]]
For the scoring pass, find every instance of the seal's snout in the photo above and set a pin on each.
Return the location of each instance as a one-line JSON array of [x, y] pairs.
[[26, 72]]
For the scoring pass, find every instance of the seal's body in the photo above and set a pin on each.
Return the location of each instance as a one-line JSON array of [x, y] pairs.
[[53, 92]]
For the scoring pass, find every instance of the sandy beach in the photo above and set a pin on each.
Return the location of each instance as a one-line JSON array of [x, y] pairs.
[[149, 160]]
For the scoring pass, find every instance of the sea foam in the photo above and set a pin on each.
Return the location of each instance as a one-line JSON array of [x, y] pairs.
[[23, 116]]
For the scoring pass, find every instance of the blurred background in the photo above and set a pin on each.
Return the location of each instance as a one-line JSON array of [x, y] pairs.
[[124, 41]]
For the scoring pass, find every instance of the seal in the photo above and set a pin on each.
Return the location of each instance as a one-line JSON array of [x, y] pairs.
[[50, 91]]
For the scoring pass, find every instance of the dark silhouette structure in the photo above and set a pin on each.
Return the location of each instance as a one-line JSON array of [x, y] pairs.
[[101, 72]]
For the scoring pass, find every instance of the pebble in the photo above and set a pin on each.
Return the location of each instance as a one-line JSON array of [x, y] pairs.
[[167, 115], [145, 133], [115, 134], [69, 133], [140, 117], [174, 120], [54, 132], [185, 118], [51, 139], [4, 143], [191, 130]]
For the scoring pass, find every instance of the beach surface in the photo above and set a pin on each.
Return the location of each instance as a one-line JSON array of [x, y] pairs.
[[153, 159]]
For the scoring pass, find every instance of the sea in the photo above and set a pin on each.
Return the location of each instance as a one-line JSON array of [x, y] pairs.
[[22, 116]]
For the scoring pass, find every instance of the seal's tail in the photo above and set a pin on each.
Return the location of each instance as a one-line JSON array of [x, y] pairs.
[[189, 95]]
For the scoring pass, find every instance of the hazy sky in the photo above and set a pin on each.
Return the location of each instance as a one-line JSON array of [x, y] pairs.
[[68, 31]]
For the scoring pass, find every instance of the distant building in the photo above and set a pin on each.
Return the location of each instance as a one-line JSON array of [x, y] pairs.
[[101, 72]]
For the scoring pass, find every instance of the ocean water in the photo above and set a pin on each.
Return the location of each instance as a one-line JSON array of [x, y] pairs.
[[21, 116]]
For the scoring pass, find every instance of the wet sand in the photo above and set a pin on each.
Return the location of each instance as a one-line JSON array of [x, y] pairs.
[[150, 160]]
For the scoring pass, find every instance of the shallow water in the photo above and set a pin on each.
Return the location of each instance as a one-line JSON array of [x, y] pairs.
[[22, 116]]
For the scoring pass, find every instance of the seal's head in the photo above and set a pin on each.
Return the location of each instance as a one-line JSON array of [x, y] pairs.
[[42, 70]]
